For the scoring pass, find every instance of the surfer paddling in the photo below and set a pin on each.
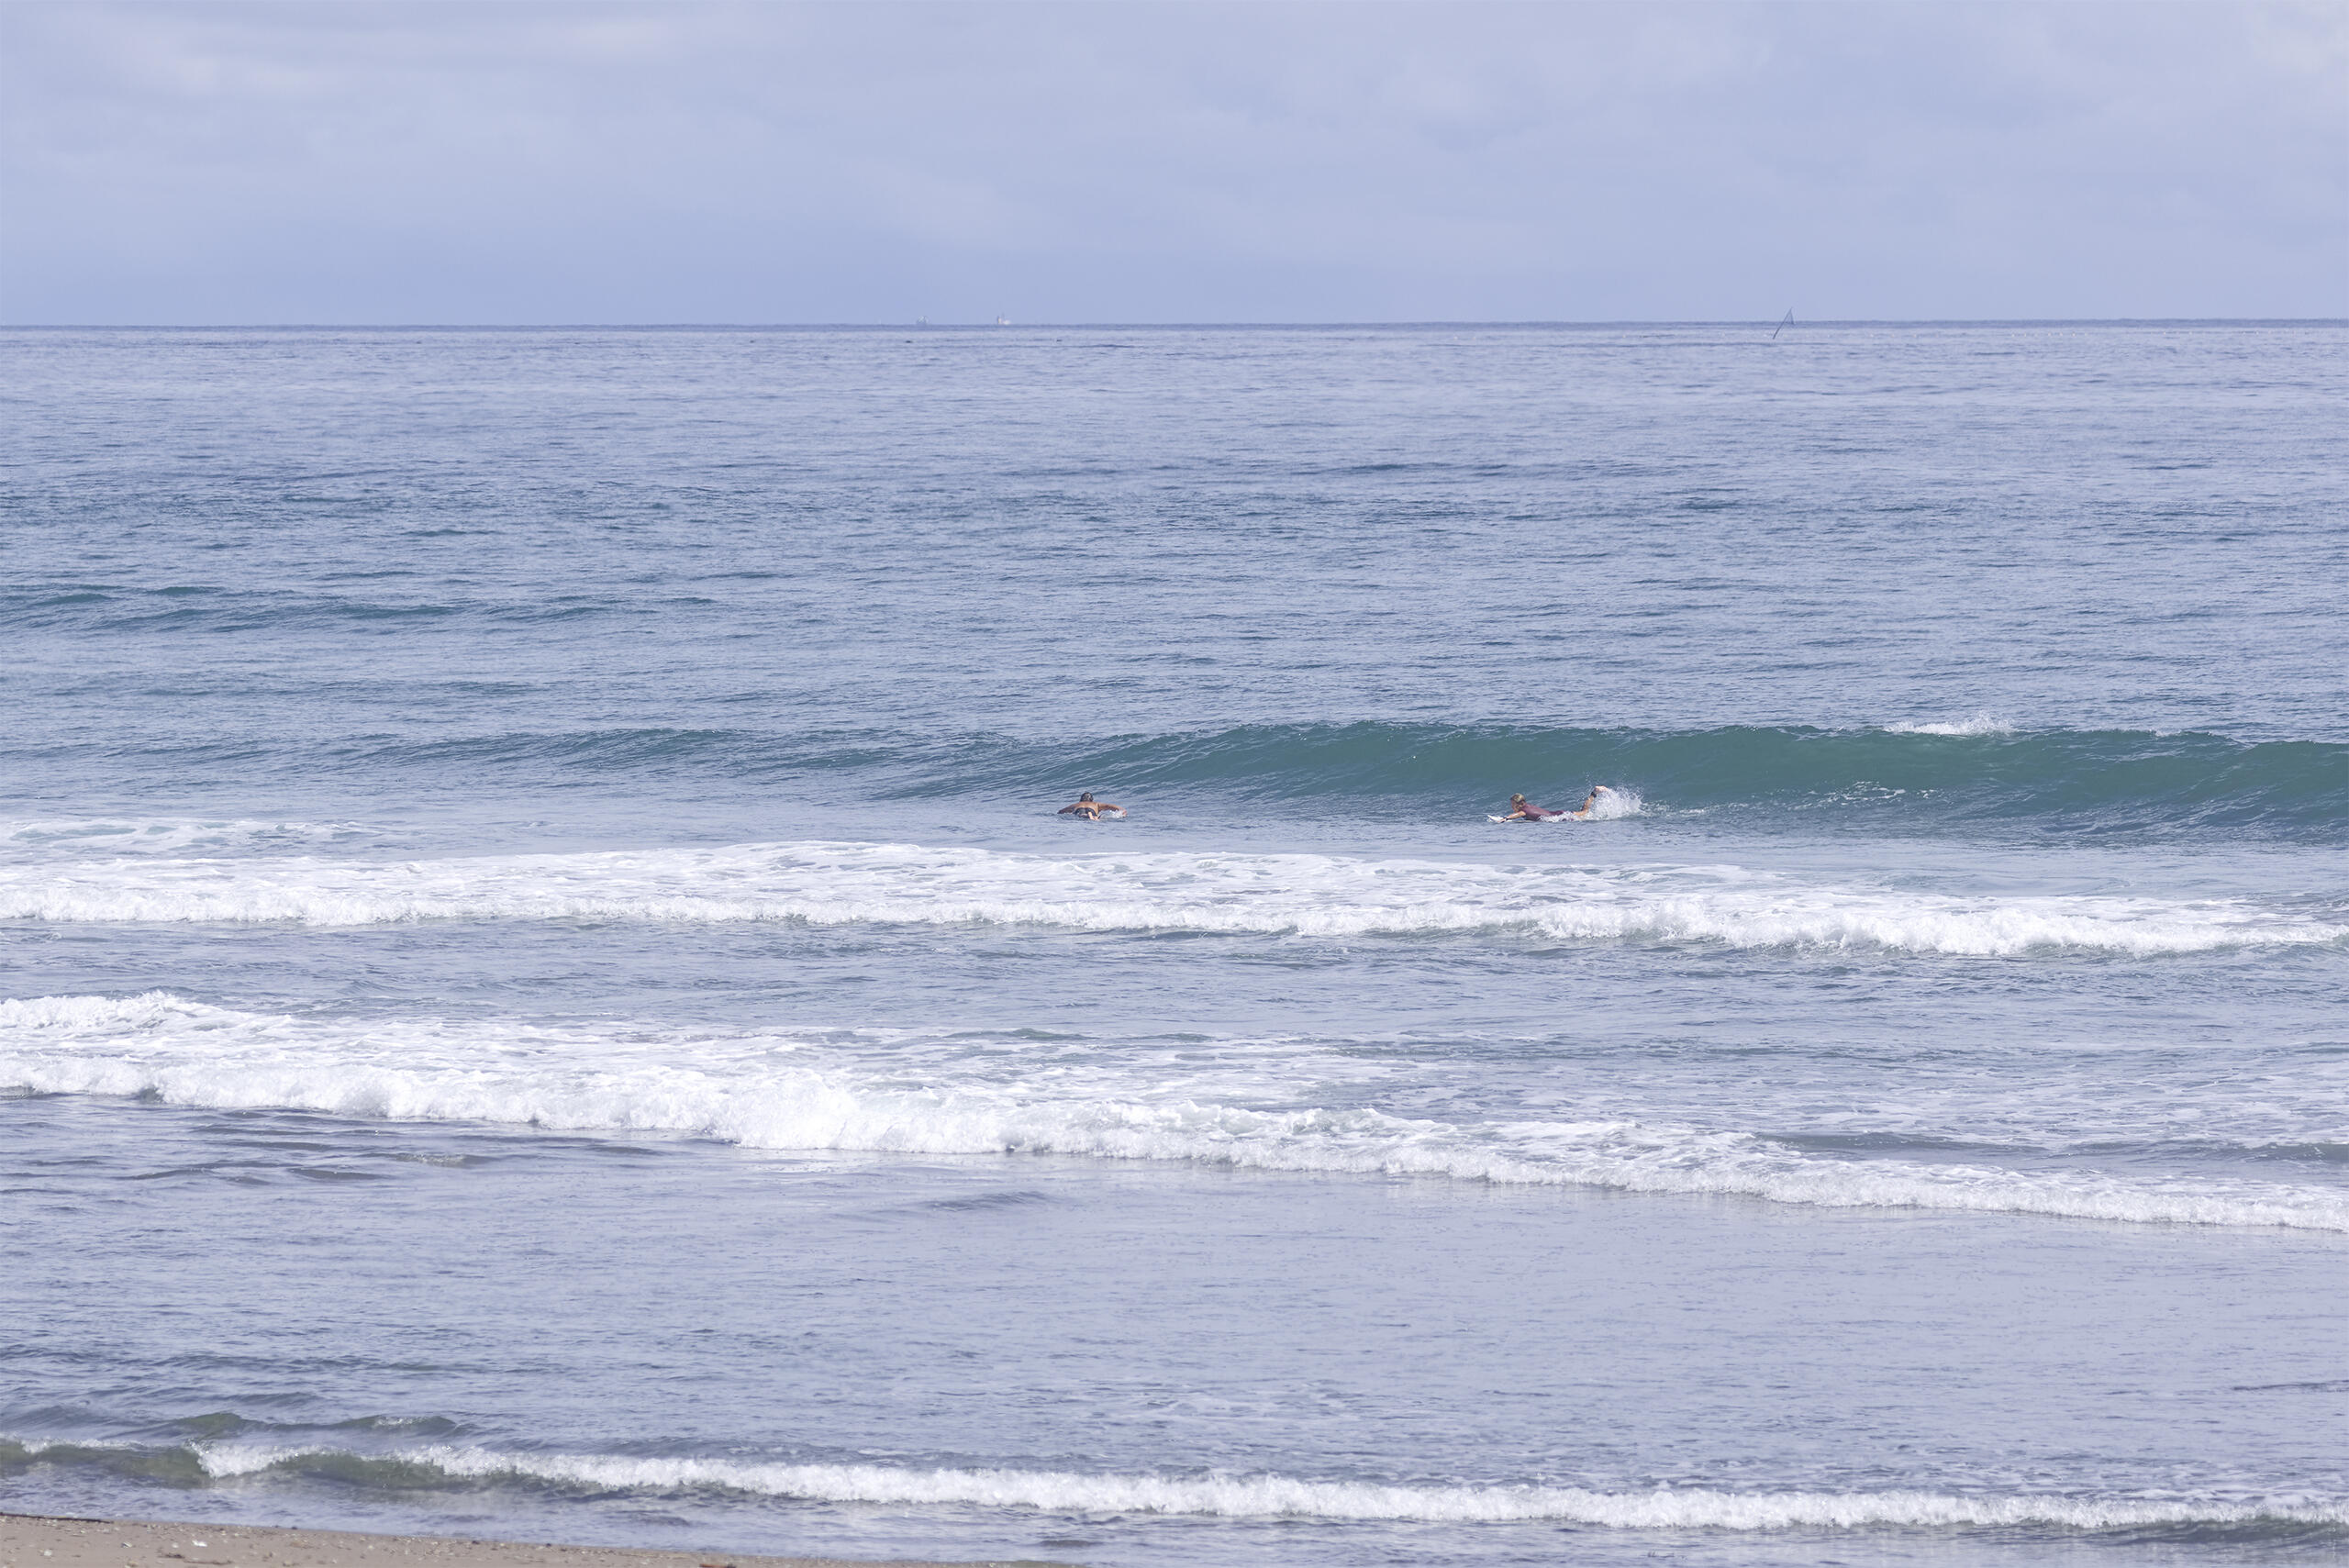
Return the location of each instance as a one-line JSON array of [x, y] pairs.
[[1523, 810], [1092, 810]]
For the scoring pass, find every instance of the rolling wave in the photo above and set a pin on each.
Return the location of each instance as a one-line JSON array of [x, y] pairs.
[[781, 1093], [1980, 724], [1977, 774], [1978, 769], [831, 883], [81, 836], [1212, 1495]]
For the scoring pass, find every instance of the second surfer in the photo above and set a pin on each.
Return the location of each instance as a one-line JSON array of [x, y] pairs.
[[1523, 810]]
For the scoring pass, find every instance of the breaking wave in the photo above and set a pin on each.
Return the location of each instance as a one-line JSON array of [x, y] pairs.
[[829, 883], [118, 835], [1981, 773], [1214, 1495], [1980, 724], [780, 1093], [1977, 773]]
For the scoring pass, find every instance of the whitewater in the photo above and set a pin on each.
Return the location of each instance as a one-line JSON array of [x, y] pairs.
[[1121, 1102], [544, 994], [1313, 895], [1251, 1497]]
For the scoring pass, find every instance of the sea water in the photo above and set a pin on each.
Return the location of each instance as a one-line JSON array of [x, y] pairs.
[[546, 995]]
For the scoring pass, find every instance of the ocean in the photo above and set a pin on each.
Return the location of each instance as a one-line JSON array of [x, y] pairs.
[[544, 992]]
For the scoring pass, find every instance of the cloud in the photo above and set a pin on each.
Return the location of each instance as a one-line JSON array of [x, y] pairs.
[[695, 161]]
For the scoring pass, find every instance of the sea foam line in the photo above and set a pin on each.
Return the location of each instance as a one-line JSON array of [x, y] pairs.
[[1299, 894], [776, 1093], [1277, 1496], [116, 835], [1983, 723]]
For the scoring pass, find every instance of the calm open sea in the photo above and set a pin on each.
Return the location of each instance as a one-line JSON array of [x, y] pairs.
[[545, 994]]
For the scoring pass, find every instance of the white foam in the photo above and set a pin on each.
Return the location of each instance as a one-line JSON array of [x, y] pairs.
[[805, 1093], [1614, 802], [1983, 723], [114, 835], [1302, 895], [1609, 803], [1285, 1498]]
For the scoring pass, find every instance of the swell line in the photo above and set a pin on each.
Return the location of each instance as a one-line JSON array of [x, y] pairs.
[[1213, 1495], [1973, 774], [829, 883], [773, 1092]]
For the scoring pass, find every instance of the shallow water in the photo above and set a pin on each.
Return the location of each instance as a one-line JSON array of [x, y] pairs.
[[545, 994]]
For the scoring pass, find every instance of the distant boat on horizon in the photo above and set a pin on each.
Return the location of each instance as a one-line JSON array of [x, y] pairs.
[[1003, 320]]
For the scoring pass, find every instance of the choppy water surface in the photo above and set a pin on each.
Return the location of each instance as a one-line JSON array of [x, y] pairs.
[[544, 994]]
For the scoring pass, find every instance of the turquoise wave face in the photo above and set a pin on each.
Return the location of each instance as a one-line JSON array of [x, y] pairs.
[[2097, 780], [2086, 784]]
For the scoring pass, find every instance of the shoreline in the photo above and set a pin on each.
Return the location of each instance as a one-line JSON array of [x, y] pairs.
[[47, 1540]]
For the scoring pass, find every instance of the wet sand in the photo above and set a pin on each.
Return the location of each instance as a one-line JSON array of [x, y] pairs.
[[34, 1541]]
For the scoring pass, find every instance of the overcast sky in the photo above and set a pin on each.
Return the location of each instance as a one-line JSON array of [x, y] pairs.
[[1108, 162]]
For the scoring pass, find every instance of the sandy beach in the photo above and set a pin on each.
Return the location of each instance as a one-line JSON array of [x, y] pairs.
[[28, 1541]]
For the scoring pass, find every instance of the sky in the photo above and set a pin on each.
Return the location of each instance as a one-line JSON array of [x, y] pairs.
[[352, 163]]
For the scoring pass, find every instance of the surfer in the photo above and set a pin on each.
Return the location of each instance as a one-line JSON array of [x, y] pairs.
[[1092, 810], [1523, 810]]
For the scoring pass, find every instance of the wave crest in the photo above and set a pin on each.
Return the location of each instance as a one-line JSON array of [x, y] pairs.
[[780, 1093], [145, 836], [1977, 774], [825, 883], [1242, 1497], [1982, 723]]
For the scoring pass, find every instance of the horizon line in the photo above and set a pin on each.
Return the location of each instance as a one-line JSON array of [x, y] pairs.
[[926, 326]]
